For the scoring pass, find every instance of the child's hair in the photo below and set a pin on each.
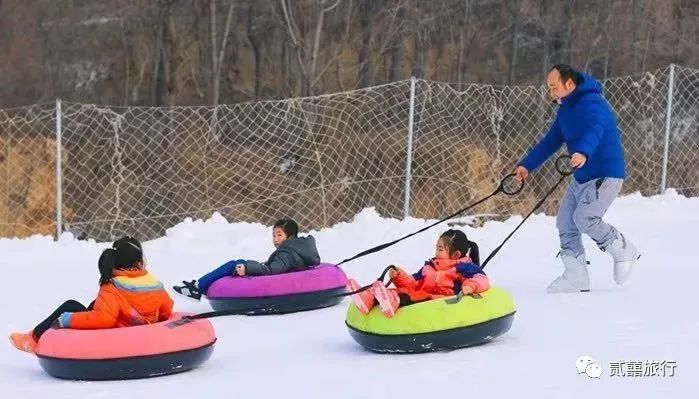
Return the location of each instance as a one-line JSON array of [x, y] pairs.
[[456, 240], [291, 229], [124, 254]]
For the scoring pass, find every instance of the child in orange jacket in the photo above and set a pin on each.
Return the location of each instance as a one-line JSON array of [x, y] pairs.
[[128, 296], [453, 269]]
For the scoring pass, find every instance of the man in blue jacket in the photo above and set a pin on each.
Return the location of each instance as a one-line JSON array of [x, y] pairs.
[[586, 125]]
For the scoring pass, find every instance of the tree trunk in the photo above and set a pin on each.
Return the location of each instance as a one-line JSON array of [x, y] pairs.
[[298, 42], [316, 45], [465, 10], [363, 59], [251, 31], [635, 37], [677, 16], [591, 53], [214, 64], [566, 41], [546, 39], [127, 66], [163, 86], [608, 34], [395, 69], [218, 53], [418, 48], [284, 61], [157, 55], [514, 10]]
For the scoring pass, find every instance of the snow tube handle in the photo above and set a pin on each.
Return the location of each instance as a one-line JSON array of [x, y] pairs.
[[510, 185], [563, 165]]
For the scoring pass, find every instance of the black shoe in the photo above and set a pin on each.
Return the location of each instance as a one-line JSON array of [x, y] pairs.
[[189, 289]]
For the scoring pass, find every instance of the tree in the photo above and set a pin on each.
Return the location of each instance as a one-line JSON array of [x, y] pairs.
[[218, 52]]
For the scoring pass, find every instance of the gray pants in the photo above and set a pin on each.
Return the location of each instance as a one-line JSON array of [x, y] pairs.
[[581, 211]]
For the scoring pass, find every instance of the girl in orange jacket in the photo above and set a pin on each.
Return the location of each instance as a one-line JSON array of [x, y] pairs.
[[128, 296], [453, 269]]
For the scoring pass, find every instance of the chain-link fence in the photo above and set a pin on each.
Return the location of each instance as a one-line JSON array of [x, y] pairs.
[[28, 171], [412, 147]]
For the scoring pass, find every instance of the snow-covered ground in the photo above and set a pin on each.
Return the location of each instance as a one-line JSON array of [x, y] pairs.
[[306, 355]]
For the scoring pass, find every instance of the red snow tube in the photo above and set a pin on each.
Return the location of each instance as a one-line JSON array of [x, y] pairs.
[[128, 352]]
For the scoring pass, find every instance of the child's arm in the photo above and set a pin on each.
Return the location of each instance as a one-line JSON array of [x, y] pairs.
[[103, 315], [165, 310], [478, 283], [473, 277], [255, 268], [402, 279], [280, 261]]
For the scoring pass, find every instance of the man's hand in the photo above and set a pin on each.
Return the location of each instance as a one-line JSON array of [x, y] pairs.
[[240, 269], [577, 160], [521, 173]]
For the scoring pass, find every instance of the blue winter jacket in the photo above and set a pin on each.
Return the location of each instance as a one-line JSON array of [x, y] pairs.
[[586, 124]]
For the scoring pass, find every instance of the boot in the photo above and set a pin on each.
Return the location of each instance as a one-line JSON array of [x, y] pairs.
[[388, 299], [574, 277], [24, 342], [364, 300], [625, 255]]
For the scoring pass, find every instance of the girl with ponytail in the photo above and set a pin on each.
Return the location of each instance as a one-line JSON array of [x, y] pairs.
[[128, 295], [454, 268]]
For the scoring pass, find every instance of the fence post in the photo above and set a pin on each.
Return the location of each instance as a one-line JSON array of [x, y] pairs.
[[59, 171], [668, 123], [409, 158]]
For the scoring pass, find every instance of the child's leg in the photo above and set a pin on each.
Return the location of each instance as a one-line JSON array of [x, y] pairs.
[[68, 306], [364, 300], [222, 271], [387, 298], [404, 300], [412, 296]]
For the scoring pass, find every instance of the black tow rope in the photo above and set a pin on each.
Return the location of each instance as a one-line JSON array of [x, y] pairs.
[[564, 169], [509, 185]]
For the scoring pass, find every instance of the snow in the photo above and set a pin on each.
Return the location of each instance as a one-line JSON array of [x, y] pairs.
[[310, 354]]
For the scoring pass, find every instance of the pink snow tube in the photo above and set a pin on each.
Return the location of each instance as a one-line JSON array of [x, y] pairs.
[[128, 352], [318, 287]]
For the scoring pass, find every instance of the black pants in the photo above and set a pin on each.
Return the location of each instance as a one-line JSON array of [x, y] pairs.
[[68, 306], [406, 301]]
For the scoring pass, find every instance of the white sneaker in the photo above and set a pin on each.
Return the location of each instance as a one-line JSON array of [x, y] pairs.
[[625, 255], [574, 278]]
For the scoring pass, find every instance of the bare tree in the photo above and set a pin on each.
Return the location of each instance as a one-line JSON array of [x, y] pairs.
[[514, 8], [546, 37], [635, 25], [418, 40], [218, 53], [307, 55], [563, 40], [251, 33], [592, 53], [364, 64], [609, 36], [464, 25], [388, 26], [395, 69], [162, 71]]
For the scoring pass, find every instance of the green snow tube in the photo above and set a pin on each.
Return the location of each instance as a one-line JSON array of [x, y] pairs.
[[438, 324]]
